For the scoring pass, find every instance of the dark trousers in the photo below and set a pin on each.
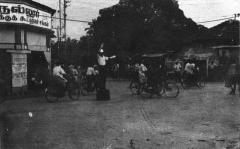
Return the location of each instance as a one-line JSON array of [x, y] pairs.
[[90, 82], [59, 83], [178, 76], [232, 82], [102, 77]]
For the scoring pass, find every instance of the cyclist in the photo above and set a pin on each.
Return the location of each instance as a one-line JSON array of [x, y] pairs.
[[90, 76], [58, 76], [178, 70], [157, 75], [73, 72], [189, 71], [142, 73], [154, 74]]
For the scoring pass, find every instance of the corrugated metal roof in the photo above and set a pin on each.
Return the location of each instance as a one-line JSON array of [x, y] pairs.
[[226, 46], [154, 55]]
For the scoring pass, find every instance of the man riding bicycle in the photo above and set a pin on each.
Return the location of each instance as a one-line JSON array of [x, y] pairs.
[[142, 73], [157, 74], [58, 76], [189, 67]]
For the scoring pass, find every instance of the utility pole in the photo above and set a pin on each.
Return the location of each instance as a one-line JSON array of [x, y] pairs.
[[60, 27], [66, 4], [65, 24], [58, 38]]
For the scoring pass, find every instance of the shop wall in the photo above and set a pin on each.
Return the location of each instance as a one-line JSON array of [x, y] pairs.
[[7, 36], [36, 41], [7, 39]]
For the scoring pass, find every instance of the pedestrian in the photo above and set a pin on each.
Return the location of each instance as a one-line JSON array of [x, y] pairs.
[[178, 71], [232, 78]]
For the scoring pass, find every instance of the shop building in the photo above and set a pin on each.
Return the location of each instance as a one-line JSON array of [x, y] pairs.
[[25, 33]]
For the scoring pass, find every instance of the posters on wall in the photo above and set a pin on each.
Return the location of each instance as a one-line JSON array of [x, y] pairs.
[[19, 70]]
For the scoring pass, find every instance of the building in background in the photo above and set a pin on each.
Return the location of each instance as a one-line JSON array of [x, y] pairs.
[[25, 33], [215, 49]]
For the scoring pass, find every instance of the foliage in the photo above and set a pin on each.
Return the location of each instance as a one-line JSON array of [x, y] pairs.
[[137, 26]]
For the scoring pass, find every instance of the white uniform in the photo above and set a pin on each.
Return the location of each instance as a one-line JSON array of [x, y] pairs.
[[102, 60]]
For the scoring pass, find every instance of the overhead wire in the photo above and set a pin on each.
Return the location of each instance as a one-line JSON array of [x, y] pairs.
[[73, 20], [216, 20], [226, 17], [83, 21]]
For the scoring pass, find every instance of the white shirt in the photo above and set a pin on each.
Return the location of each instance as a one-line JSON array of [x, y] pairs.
[[188, 68], [177, 67], [143, 68], [90, 71], [102, 60], [58, 71]]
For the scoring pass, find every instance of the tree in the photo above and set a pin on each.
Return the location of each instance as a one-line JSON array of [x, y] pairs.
[[135, 26]]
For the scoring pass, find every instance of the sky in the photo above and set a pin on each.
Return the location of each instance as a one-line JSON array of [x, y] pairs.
[[198, 10], [204, 10]]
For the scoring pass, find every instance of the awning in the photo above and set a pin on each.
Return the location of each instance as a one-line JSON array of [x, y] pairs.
[[202, 56], [154, 55], [226, 46]]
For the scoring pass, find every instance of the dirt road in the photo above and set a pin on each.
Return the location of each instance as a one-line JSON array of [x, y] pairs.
[[199, 118]]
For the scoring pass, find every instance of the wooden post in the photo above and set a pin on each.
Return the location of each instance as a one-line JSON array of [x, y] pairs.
[[207, 66]]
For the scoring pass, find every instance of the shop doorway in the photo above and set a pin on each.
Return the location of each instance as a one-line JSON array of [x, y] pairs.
[[5, 73], [38, 72]]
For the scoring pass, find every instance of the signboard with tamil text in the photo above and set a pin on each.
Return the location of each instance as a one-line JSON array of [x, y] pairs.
[[23, 14]]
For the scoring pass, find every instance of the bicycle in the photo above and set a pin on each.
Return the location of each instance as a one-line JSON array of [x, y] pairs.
[[82, 82], [168, 88], [53, 92], [196, 80], [87, 85]]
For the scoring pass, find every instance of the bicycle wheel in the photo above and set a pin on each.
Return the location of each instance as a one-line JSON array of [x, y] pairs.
[[50, 96], [201, 83], [134, 87], [160, 89], [171, 89], [84, 87], [146, 91], [74, 94], [74, 91]]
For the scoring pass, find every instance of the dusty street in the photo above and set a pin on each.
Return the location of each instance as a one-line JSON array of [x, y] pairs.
[[198, 118]]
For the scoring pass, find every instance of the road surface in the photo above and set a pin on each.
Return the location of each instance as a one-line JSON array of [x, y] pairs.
[[206, 118]]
